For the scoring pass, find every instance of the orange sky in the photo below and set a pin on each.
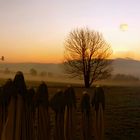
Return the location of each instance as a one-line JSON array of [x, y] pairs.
[[35, 31]]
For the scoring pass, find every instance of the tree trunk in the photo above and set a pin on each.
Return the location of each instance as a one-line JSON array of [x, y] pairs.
[[86, 80]]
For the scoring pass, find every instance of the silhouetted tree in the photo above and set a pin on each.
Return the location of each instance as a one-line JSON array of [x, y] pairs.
[[124, 77], [86, 56], [33, 72], [50, 74], [43, 73], [6, 71], [2, 58]]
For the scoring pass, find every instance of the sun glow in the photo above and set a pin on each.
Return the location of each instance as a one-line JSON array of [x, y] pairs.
[[123, 27], [36, 30]]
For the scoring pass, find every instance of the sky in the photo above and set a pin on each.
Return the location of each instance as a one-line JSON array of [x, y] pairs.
[[35, 30]]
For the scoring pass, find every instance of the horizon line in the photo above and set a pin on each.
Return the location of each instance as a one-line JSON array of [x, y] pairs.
[[33, 62]]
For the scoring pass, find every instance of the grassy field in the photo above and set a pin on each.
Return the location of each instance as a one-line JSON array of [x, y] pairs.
[[122, 113]]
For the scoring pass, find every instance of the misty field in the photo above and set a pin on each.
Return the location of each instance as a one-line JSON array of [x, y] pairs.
[[122, 111]]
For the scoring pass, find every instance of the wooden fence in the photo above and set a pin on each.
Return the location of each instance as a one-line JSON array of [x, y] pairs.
[[28, 114]]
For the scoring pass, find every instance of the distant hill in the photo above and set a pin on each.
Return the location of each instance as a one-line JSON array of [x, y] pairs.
[[126, 66], [122, 66]]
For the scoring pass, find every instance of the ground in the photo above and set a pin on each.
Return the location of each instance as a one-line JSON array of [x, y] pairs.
[[122, 112]]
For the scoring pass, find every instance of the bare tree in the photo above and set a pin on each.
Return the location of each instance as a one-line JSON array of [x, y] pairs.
[[86, 55], [33, 72]]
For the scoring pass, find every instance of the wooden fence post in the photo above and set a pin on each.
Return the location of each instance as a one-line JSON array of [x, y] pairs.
[[43, 116], [15, 125], [98, 103], [58, 104], [5, 93], [30, 114], [86, 114], [69, 124]]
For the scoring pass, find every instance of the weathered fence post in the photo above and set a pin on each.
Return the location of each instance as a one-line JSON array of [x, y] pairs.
[[58, 104], [98, 103], [42, 108], [30, 114], [15, 126], [86, 121], [21, 123], [69, 123], [5, 93], [1, 112], [5, 99]]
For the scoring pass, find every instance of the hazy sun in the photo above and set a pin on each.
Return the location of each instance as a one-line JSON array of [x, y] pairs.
[[123, 27]]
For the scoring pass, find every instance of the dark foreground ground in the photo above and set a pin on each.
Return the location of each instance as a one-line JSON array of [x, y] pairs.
[[122, 113]]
